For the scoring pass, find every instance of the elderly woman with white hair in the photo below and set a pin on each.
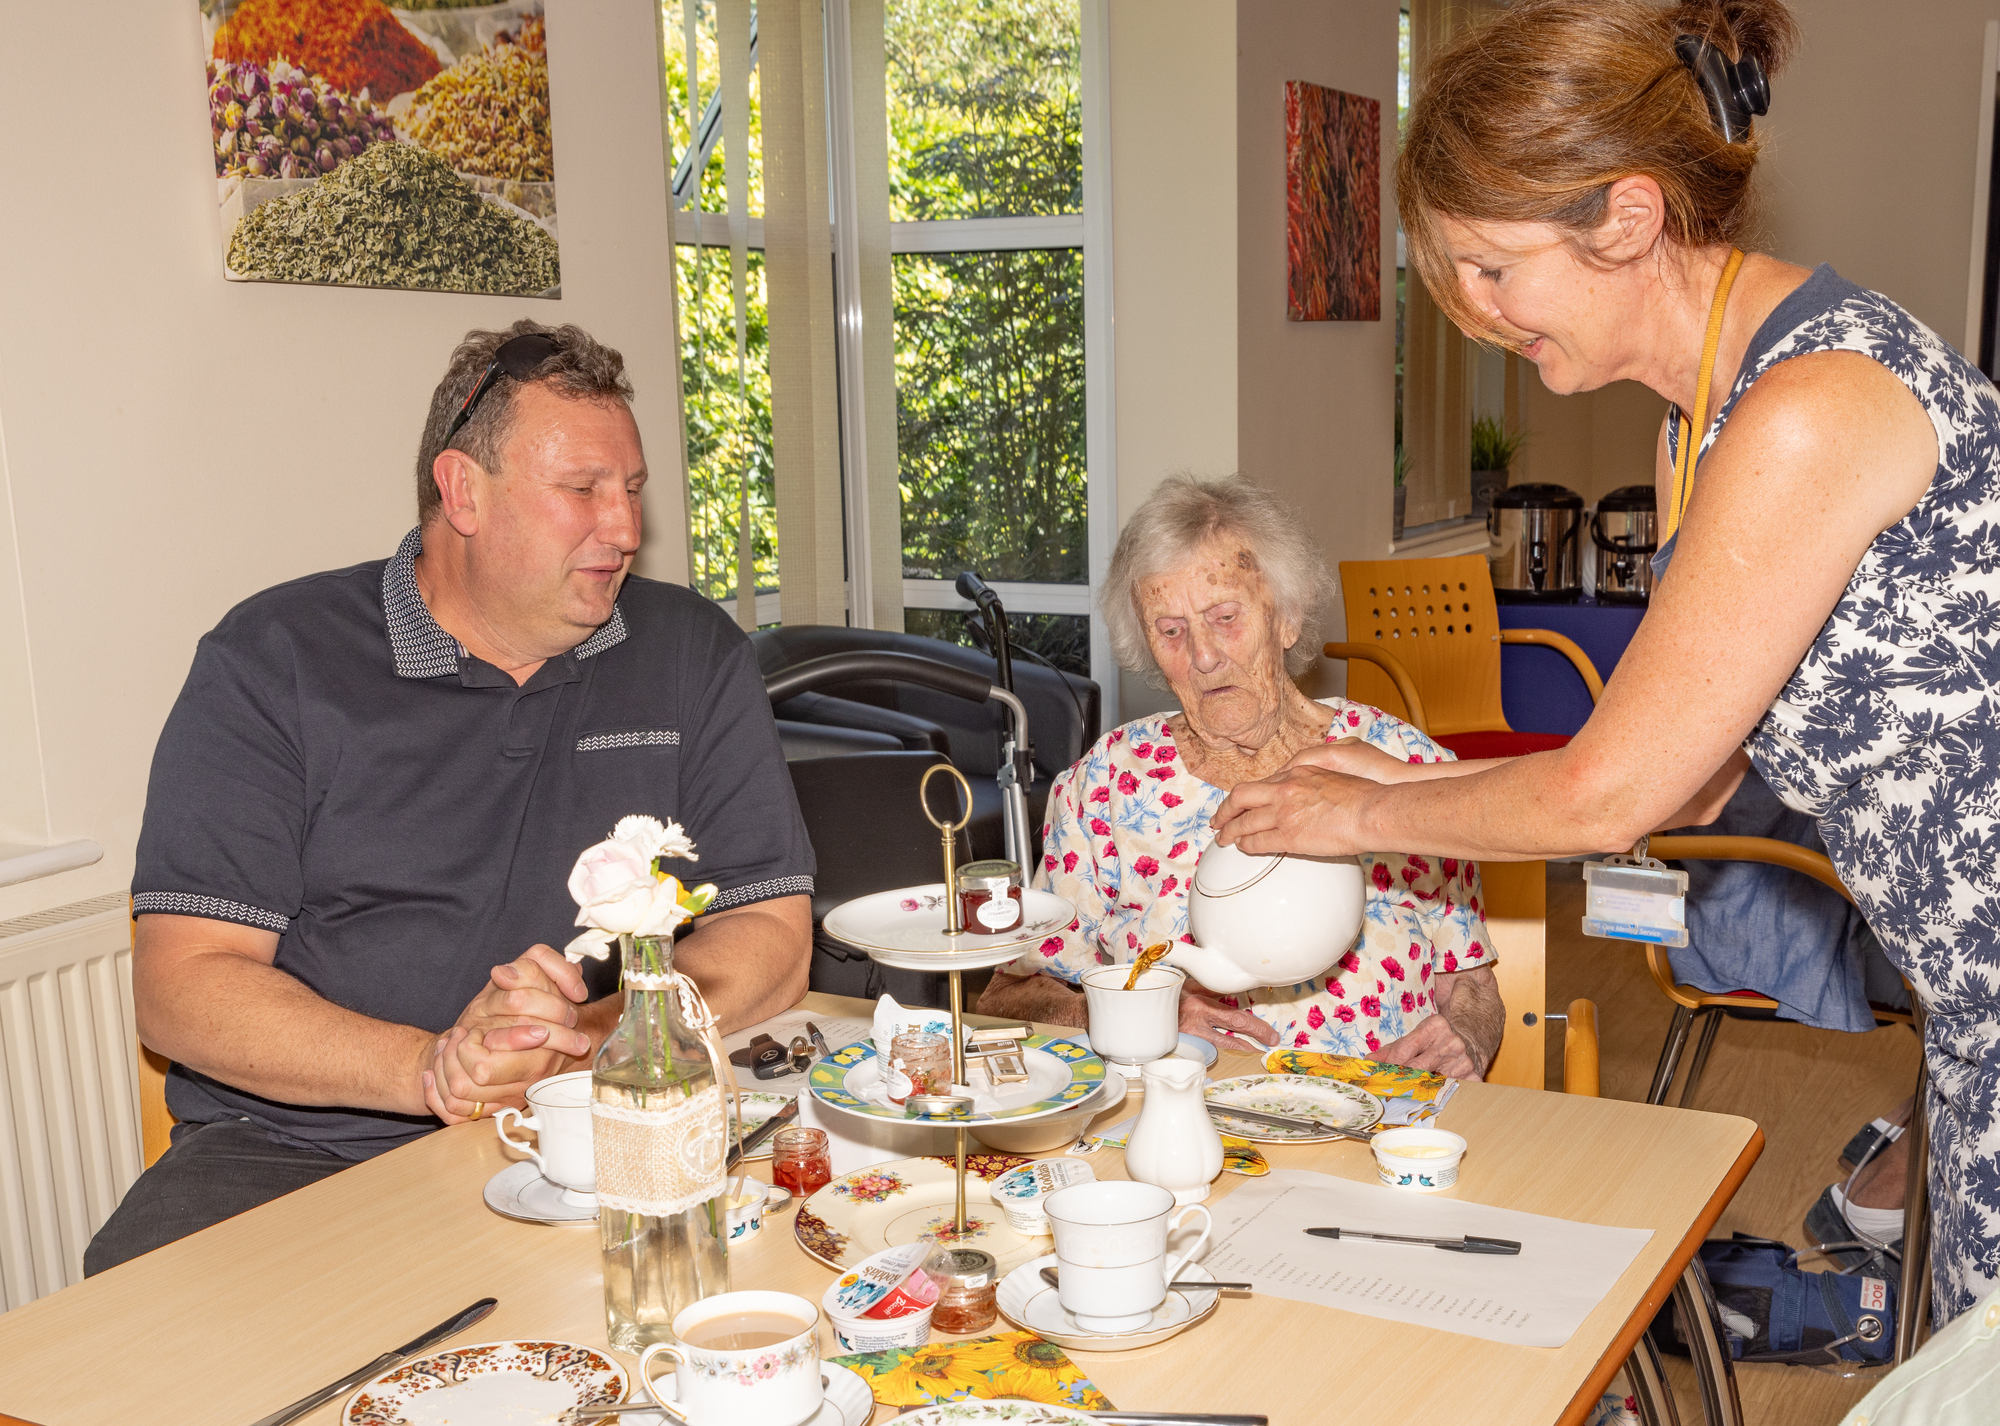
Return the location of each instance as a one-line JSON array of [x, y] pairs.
[[1214, 591]]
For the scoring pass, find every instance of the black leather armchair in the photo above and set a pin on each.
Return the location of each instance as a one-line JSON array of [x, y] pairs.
[[1063, 715]]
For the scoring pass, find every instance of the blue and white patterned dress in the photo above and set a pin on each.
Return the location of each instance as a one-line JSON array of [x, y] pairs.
[[1889, 734]]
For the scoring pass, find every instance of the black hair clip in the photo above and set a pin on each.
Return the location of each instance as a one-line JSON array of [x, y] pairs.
[[1735, 92]]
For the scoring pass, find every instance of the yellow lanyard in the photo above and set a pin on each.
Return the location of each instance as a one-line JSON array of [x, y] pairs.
[[1691, 432]]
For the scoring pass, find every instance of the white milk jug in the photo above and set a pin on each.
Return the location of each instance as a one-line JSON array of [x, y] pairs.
[[1175, 1145]]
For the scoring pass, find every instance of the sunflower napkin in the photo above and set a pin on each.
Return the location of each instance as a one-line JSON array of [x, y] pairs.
[[1012, 1364], [1409, 1096]]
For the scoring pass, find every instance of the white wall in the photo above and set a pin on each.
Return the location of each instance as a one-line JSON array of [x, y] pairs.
[[1173, 260], [1211, 378], [174, 442], [1316, 400]]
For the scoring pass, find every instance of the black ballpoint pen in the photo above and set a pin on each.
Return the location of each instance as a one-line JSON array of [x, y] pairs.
[[1466, 1244]]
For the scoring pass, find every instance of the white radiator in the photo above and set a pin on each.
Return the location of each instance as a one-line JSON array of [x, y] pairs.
[[69, 1092]]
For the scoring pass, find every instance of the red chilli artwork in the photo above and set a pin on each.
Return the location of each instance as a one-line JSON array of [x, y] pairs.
[[1333, 205]]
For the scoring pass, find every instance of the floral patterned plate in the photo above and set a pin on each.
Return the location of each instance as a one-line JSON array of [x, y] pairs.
[[906, 928], [757, 1107], [995, 1413], [861, 1213], [1331, 1101], [848, 1400], [490, 1384], [1061, 1074]]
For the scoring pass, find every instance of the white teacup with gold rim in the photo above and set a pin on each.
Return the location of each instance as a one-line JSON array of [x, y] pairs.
[[1111, 1251], [742, 1359], [1137, 1026], [560, 1116]]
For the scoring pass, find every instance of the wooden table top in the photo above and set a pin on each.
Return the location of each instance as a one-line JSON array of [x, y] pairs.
[[234, 1322]]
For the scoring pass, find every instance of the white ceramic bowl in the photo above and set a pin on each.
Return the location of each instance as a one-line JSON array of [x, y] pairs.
[[1434, 1167], [1035, 1136]]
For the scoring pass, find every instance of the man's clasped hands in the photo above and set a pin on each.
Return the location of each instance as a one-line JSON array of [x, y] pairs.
[[533, 1019]]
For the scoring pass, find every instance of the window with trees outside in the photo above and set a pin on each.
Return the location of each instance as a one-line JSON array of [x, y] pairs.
[[987, 213]]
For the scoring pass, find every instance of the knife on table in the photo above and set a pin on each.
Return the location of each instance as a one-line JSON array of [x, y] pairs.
[[450, 1327], [1280, 1121], [757, 1136]]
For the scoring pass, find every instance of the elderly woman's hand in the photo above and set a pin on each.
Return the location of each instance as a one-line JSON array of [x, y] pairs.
[[1461, 1039], [1204, 1016], [1308, 810]]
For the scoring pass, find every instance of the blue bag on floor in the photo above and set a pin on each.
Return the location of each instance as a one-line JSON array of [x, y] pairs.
[[1773, 1312]]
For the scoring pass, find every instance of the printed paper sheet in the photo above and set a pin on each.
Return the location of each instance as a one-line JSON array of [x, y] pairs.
[[1537, 1299]]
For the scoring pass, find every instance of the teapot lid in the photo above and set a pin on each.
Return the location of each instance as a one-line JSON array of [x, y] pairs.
[[1257, 873]]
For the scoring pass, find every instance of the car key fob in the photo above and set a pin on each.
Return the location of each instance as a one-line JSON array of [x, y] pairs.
[[770, 1061], [746, 1057]]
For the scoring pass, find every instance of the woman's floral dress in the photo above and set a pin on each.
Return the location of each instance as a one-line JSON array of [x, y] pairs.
[[1888, 733], [1126, 826]]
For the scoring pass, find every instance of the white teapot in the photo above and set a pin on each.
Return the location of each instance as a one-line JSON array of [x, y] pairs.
[[1268, 920]]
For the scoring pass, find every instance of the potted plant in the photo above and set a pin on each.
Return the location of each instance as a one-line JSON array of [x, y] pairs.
[[1493, 450]]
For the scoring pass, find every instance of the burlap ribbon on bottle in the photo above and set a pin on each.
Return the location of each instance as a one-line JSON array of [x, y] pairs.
[[665, 1158]]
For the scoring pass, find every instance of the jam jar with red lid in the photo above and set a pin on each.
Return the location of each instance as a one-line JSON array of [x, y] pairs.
[[989, 896]]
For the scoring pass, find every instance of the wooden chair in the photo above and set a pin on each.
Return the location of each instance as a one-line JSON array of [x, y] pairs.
[[1711, 1008], [1516, 907], [1434, 627], [156, 1121]]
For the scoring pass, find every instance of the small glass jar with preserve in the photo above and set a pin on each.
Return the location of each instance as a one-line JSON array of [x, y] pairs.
[[989, 896], [801, 1160], [919, 1063], [970, 1299]]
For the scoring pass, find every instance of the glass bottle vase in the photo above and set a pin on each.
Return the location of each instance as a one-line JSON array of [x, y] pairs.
[[659, 1131]]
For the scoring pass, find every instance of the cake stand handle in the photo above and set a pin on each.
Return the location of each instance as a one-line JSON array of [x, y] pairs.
[[958, 1077], [948, 831]]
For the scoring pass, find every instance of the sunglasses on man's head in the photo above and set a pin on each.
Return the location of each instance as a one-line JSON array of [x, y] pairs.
[[518, 357]]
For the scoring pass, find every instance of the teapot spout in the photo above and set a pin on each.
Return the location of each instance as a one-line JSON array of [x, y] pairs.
[[1211, 969]]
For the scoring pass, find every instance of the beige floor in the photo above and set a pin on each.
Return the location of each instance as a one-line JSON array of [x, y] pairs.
[[1809, 1090]]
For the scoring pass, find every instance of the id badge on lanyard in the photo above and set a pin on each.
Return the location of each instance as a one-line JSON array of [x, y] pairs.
[[1635, 899]]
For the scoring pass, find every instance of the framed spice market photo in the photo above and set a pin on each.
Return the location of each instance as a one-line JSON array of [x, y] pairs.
[[367, 145]]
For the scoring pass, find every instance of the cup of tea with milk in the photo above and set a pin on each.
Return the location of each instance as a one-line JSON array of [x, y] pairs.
[[741, 1358]]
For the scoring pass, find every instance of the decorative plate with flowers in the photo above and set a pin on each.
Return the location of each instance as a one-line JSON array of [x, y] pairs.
[[488, 1384], [868, 1186]]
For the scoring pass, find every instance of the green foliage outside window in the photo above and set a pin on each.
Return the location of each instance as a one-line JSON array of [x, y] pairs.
[[985, 120], [728, 424], [985, 108]]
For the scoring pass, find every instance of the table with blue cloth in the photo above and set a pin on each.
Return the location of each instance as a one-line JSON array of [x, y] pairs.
[[1750, 926]]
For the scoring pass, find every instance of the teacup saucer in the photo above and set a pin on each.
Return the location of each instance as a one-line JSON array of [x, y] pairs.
[[1027, 1301], [520, 1191], [848, 1402]]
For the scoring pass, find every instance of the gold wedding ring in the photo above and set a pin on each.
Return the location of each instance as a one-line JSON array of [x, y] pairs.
[[478, 1108]]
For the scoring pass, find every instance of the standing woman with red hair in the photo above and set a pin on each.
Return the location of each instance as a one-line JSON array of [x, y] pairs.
[[1575, 185]]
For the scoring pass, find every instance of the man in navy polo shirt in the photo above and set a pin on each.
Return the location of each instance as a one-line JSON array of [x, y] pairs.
[[366, 803]]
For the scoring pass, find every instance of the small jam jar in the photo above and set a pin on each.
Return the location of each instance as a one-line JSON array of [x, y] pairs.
[[970, 1299], [989, 896], [919, 1063], [801, 1160]]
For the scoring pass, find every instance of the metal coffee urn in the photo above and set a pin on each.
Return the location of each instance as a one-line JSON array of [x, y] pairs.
[[1537, 528], [1624, 535]]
